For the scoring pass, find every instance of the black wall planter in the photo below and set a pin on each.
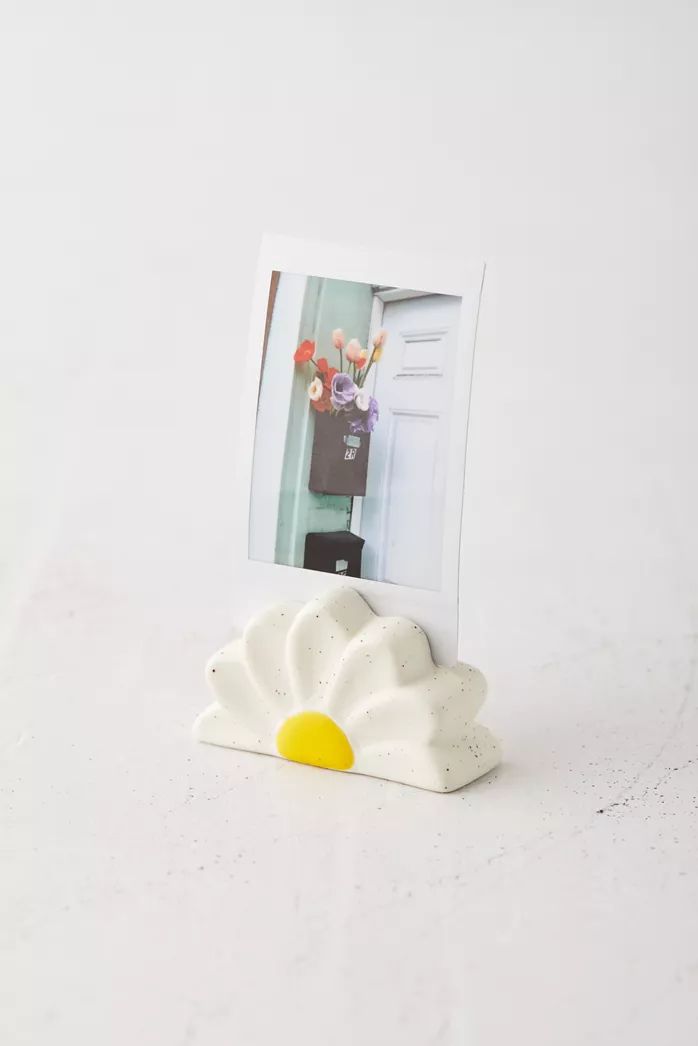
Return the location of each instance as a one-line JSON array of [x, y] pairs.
[[337, 552], [339, 459]]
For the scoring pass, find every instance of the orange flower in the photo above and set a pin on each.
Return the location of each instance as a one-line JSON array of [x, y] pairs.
[[326, 371], [304, 352], [324, 403], [361, 362]]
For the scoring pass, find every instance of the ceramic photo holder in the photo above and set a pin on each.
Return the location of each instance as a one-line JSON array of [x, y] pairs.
[[350, 467], [331, 684]]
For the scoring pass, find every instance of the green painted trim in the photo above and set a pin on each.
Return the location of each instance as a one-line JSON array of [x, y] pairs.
[[327, 304]]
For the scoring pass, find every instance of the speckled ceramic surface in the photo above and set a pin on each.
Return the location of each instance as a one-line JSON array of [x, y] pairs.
[[332, 684]]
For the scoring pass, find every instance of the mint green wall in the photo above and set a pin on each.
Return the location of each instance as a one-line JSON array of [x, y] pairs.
[[328, 304]]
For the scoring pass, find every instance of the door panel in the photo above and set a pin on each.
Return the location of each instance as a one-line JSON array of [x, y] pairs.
[[402, 514], [411, 464]]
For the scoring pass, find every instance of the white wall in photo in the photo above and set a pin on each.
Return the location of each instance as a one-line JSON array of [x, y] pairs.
[[275, 390]]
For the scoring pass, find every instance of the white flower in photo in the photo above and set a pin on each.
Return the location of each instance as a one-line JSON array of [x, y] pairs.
[[338, 338], [331, 684], [315, 389], [362, 399]]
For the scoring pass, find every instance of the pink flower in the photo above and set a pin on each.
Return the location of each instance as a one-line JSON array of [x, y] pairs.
[[354, 351], [338, 338], [378, 343]]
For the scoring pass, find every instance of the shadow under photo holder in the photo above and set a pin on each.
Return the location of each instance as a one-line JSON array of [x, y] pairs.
[[333, 685]]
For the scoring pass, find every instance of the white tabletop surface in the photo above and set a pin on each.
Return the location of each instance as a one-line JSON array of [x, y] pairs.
[[159, 891]]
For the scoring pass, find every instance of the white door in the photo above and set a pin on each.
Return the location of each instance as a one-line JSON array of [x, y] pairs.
[[402, 515]]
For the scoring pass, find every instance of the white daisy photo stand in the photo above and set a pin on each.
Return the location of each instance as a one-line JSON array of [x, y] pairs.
[[353, 674], [332, 684]]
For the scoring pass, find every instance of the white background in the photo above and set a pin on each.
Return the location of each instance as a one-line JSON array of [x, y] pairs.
[[158, 892]]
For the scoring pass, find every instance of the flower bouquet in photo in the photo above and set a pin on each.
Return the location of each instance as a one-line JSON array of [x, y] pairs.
[[345, 414]]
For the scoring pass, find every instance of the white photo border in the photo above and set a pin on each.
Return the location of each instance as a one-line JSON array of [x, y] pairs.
[[260, 584]]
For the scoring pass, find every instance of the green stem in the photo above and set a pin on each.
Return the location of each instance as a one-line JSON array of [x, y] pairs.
[[368, 367]]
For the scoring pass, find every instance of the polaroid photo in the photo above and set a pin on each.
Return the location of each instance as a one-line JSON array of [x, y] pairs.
[[353, 432]]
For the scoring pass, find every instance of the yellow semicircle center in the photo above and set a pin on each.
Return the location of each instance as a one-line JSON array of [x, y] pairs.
[[314, 738]]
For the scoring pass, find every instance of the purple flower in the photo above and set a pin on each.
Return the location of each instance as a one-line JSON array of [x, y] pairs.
[[365, 421], [343, 392]]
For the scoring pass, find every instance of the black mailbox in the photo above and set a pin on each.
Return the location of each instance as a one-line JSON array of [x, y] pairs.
[[337, 552], [339, 458]]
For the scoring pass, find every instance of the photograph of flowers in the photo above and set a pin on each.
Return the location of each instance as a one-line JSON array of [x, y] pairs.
[[353, 419]]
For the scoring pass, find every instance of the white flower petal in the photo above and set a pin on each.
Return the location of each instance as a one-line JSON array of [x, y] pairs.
[[264, 650], [217, 726], [235, 690], [432, 710], [439, 768], [389, 652], [318, 638]]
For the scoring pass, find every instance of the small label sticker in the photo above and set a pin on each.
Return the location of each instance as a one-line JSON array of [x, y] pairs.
[[350, 453], [341, 566]]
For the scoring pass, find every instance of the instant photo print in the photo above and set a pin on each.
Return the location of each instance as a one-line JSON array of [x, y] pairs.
[[351, 476]]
